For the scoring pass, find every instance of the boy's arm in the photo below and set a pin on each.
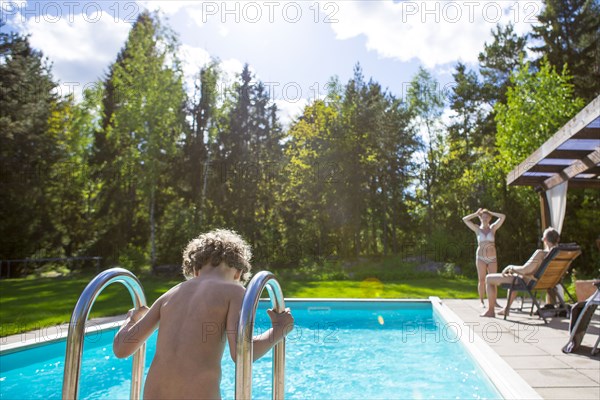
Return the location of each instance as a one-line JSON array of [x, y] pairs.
[[139, 325], [282, 324]]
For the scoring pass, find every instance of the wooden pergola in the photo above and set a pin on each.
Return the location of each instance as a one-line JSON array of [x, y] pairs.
[[572, 155]]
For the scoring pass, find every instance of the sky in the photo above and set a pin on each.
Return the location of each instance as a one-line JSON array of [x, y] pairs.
[[294, 47]]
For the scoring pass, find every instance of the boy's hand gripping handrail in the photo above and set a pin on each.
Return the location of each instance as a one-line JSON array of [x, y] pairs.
[[244, 350], [70, 389]]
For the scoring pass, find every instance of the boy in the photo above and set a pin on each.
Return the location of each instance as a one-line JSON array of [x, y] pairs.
[[195, 316]]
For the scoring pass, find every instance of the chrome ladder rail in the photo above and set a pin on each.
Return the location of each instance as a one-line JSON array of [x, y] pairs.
[[244, 351], [76, 334]]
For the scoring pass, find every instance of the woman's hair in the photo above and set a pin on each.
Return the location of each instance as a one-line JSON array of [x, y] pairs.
[[215, 247], [552, 235]]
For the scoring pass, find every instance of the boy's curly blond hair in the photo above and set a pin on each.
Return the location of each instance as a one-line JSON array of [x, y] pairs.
[[215, 247]]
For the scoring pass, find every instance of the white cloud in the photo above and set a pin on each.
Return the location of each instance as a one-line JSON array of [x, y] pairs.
[[289, 111], [80, 47], [168, 7], [223, 30], [230, 68], [95, 38], [433, 32], [193, 58]]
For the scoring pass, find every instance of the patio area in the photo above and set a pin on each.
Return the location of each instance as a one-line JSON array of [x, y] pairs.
[[533, 350]]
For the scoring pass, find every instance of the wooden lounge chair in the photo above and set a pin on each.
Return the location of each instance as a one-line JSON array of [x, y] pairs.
[[548, 275]]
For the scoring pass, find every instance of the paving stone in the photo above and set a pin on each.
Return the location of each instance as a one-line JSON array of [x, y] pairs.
[[534, 362], [570, 393], [561, 377]]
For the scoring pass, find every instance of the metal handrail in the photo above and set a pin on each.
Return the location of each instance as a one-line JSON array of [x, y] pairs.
[[244, 350], [75, 336]]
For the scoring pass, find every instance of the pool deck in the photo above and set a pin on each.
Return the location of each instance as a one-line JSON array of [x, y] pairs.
[[530, 347], [533, 350]]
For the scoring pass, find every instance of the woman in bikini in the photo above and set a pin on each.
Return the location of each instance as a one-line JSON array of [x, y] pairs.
[[485, 260]]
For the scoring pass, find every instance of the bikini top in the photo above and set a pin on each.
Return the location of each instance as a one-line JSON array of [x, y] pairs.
[[485, 237]]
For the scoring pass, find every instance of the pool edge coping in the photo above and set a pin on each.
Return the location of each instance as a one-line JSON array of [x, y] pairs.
[[508, 382], [40, 339]]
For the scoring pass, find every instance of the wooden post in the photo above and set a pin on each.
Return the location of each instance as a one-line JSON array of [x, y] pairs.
[[544, 209]]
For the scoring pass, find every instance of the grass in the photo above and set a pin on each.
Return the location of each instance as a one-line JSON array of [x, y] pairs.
[[27, 304], [373, 288]]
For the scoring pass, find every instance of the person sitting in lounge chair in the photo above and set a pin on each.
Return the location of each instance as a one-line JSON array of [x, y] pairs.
[[550, 238]]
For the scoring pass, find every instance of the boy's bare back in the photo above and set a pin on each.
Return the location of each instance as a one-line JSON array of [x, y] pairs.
[[192, 338]]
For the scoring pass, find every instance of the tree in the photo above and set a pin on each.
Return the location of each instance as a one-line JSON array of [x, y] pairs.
[[537, 105], [203, 112], [303, 201], [350, 166], [470, 110], [27, 150], [570, 34], [498, 60], [244, 150], [71, 190], [144, 120], [426, 104]]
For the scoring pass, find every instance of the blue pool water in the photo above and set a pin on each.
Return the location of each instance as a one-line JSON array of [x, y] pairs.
[[339, 350]]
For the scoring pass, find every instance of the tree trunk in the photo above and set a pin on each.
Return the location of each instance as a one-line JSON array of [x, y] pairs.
[[152, 230]]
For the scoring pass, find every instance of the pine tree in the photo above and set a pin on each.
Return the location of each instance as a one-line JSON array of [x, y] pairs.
[[27, 150], [570, 32], [498, 60]]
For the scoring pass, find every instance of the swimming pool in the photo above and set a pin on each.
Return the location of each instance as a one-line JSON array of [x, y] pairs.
[[339, 349]]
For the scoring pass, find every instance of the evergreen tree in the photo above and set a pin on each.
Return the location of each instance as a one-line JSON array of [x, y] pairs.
[[203, 112], [245, 153], [350, 166], [570, 34], [27, 150], [498, 60]]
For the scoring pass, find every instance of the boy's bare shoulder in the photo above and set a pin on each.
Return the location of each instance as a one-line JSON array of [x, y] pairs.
[[233, 288], [227, 288], [232, 291]]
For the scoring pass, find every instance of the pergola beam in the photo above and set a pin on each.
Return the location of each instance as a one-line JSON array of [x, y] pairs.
[[577, 124], [578, 167]]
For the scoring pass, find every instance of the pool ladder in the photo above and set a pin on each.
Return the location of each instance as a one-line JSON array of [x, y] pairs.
[[244, 353], [76, 334]]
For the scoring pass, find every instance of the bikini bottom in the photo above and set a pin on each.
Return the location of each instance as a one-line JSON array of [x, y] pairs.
[[486, 259]]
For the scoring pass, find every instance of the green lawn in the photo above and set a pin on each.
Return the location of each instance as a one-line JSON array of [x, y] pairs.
[[463, 288], [27, 304]]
